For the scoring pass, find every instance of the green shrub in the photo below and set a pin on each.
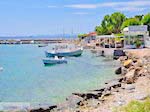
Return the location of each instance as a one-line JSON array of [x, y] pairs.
[[138, 43], [135, 106]]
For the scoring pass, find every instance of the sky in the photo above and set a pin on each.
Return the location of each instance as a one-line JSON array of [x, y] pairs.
[[50, 17]]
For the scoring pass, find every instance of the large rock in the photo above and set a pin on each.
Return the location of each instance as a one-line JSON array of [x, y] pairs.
[[127, 63], [73, 100], [141, 97], [139, 63], [130, 76], [124, 71], [129, 87]]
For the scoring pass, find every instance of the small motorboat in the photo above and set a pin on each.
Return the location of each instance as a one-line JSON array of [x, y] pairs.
[[65, 52], [42, 45], [55, 60], [1, 68]]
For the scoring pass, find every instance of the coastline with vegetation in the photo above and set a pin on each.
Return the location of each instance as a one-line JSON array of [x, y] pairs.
[[117, 93], [128, 87], [116, 22]]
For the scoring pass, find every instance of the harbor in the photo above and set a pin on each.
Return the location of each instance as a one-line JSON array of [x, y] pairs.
[[36, 80], [74, 56], [105, 57]]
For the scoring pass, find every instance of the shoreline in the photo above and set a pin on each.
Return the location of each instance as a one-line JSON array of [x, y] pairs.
[[106, 98]]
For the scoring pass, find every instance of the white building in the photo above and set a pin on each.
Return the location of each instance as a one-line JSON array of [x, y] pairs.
[[134, 33]]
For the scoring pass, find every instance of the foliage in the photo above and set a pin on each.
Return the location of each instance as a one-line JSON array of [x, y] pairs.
[[115, 22], [119, 34], [101, 30], [117, 19], [138, 43], [129, 22], [146, 21], [135, 106], [81, 36], [111, 24], [139, 17], [119, 39]]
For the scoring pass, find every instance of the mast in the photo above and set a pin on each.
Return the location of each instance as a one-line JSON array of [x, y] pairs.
[[63, 32], [72, 32]]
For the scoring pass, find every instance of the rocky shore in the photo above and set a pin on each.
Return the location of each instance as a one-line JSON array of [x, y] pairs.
[[133, 83]]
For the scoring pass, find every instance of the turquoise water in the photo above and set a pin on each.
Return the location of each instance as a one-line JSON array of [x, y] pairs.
[[25, 79]]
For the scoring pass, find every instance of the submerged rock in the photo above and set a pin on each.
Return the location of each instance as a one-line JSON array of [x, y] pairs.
[[113, 84], [86, 95], [100, 90], [44, 110], [118, 71]]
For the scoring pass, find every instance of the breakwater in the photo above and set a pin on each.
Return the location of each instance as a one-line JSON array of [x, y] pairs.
[[35, 41]]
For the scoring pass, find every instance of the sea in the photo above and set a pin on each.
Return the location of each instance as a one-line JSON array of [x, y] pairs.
[[24, 77]]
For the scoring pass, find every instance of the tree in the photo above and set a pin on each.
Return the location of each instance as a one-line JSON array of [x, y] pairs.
[[146, 21], [111, 24], [129, 22], [82, 36], [106, 26], [100, 30], [117, 19], [139, 17]]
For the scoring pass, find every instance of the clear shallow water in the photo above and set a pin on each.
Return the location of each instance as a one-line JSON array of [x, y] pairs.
[[26, 79]]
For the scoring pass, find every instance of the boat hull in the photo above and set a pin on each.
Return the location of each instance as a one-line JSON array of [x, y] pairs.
[[44, 45], [65, 54], [52, 61]]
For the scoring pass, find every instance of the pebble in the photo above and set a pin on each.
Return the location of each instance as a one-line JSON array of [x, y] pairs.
[[141, 97], [120, 103], [129, 87]]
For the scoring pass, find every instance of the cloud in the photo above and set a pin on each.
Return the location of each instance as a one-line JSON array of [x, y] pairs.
[[129, 9], [135, 5], [82, 6], [80, 13]]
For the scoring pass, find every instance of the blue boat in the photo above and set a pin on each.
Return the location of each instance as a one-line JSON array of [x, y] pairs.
[[65, 53], [56, 60]]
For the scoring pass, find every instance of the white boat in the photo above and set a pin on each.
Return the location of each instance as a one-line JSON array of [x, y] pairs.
[[55, 60], [65, 52], [42, 45], [1, 68]]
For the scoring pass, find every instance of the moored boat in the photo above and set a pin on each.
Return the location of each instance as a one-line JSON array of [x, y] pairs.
[[65, 53], [55, 60], [1, 68], [42, 45]]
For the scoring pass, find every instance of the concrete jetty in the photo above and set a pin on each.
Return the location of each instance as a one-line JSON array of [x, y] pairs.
[[35, 41]]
